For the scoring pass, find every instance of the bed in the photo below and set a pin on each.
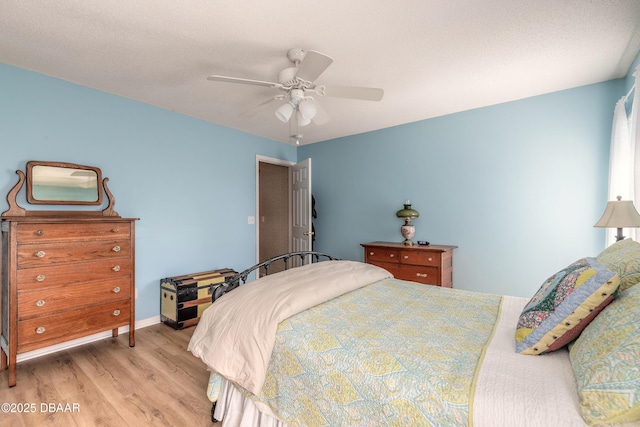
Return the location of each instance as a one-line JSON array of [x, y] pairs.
[[340, 342]]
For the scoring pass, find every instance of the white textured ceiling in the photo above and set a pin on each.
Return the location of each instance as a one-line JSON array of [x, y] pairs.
[[431, 57]]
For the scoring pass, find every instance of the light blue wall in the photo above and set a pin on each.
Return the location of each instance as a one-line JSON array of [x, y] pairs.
[[191, 183], [516, 186]]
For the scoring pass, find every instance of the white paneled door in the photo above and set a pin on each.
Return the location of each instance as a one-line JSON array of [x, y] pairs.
[[302, 232]]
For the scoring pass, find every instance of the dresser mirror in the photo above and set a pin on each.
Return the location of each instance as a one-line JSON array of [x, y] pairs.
[[51, 183], [60, 183]]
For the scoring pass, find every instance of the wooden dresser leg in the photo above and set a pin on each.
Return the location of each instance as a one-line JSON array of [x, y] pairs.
[[12, 374], [114, 333], [132, 337], [11, 364], [3, 360]]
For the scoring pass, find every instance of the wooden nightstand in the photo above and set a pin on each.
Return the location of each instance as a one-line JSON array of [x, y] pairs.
[[431, 265]]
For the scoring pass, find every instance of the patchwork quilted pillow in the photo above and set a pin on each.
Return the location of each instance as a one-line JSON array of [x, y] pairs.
[[564, 305], [623, 257], [606, 363]]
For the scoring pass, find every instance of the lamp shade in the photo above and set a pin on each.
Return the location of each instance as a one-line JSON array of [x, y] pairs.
[[619, 214], [284, 112], [302, 120], [307, 109], [407, 212]]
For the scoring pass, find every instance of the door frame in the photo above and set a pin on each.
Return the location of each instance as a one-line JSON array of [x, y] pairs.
[[274, 161]]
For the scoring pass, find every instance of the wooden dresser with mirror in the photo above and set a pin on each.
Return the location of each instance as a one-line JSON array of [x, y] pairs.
[[65, 274]]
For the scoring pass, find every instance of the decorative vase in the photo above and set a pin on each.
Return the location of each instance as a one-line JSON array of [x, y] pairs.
[[408, 230]]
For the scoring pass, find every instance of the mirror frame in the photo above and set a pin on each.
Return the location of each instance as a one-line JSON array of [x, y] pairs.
[[30, 185]]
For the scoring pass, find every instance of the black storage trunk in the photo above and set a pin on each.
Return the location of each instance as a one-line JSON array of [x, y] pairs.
[[184, 298]]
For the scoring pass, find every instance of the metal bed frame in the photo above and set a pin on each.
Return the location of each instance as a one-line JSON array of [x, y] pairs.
[[235, 280]]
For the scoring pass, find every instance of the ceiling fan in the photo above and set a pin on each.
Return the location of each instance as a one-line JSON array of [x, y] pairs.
[[297, 84]]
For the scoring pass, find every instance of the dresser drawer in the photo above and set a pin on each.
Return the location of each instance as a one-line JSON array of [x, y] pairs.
[[49, 330], [38, 303], [42, 232], [69, 274], [421, 274], [382, 254], [419, 258], [393, 268], [41, 254]]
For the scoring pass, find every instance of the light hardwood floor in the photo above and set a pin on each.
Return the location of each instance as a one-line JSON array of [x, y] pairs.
[[106, 383]]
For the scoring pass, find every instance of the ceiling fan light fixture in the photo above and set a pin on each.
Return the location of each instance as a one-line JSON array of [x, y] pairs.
[[284, 112], [302, 120], [307, 109], [298, 81]]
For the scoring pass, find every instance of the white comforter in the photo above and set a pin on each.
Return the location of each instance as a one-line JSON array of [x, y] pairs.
[[237, 347]]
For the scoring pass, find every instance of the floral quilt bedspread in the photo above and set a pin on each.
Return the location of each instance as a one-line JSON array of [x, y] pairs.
[[391, 353]]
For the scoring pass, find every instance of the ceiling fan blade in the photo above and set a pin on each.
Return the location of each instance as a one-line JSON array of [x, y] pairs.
[[313, 64], [257, 108], [321, 117], [353, 92], [243, 81]]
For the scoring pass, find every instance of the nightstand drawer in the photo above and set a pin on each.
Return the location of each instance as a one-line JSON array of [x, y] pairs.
[[393, 268], [419, 258], [421, 274], [382, 254]]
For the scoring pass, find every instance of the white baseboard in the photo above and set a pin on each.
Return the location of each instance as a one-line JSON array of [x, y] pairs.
[[85, 340]]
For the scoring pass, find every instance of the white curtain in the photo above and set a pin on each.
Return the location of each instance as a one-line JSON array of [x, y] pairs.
[[624, 175], [634, 137]]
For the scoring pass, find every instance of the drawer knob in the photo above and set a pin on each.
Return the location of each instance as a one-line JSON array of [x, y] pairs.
[[40, 330], [116, 249], [421, 275], [115, 230], [391, 255], [40, 232], [430, 259], [116, 290], [40, 254], [116, 268], [406, 257], [371, 253], [40, 303], [40, 278], [116, 312]]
